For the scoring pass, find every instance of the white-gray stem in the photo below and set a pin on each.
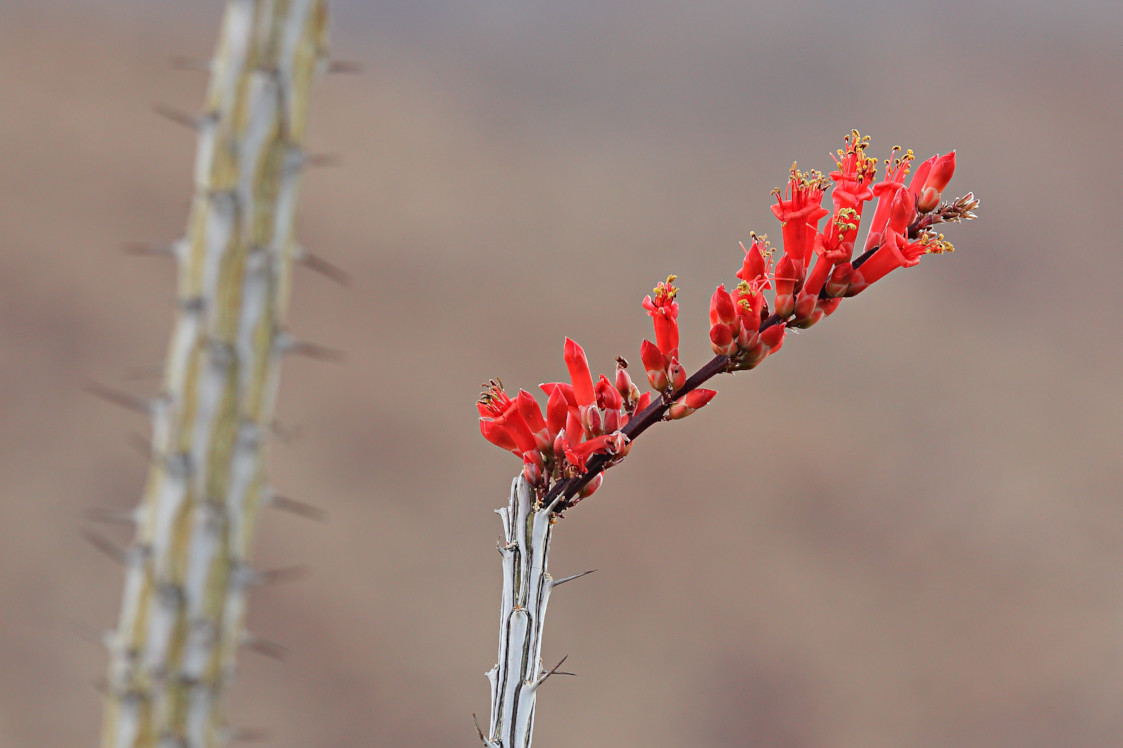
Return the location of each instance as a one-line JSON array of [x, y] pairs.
[[515, 679]]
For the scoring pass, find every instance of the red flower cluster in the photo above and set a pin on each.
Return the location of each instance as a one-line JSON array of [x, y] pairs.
[[582, 419], [816, 272]]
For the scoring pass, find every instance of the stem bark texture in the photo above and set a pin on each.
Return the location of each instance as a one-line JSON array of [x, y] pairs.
[[527, 527]]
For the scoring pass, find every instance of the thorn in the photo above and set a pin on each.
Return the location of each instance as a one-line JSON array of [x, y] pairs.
[[297, 507], [476, 722], [554, 671], [151, 371], [193, 64], [177, 116], [285, 343], [114, 516], [88, 633], [129, 402], [285, 574], [570, 578], [141, 444], [264, 647], [345, 67], [321, 160], [118, 554], [246, 575], [246, 734], [150, 249], [319, 265], [285, 434]]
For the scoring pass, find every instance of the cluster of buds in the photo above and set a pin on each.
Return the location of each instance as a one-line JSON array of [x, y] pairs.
[[817, 270]]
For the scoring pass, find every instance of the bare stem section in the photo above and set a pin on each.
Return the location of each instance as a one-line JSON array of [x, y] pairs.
[[172, 654], [527, 527]]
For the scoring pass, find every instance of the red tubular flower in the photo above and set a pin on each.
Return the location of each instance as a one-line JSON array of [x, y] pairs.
[[757, 266], [654, 364], [498, 435], [725, 324], [689, 403], [556, 410], [609, 405], [609, 444], [502, 424], [840, 280], [663, 310], [579, 373], [895, 252], [532, 414], [929, 192], [800, 214], [788, 276], [853, 177], [896, 169]]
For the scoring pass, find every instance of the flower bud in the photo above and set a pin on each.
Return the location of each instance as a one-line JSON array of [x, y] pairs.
[[722, 309], [624, 384], [591, 487], [722, 340], [938, 178], [676, 372], [689, 403]]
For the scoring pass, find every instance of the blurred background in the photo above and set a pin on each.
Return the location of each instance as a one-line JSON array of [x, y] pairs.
[[905, 530]]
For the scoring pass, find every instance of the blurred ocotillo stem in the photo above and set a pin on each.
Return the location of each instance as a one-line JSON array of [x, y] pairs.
[[172, 654]]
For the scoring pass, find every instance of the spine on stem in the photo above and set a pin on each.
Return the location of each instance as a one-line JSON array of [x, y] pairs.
[[172, 654]]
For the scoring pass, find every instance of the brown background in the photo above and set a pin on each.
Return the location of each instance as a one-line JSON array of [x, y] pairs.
[[905, 530]]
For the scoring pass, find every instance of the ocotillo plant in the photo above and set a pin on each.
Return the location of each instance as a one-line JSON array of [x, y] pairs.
[[172, 654], [590, 426]]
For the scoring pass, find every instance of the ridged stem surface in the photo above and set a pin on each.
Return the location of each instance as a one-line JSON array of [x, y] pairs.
[[527, 527], [172, 655]]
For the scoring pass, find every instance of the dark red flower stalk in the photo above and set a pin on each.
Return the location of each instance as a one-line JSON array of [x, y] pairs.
[[590, 425]]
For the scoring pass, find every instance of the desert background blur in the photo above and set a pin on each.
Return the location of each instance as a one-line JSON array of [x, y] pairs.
[[904, 530]]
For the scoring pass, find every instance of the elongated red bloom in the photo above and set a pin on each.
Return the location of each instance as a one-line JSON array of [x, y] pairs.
[[663, 310], [896, 169], [654, 364], [799, 214], [579, 373], [502, 424], [757, 267]]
